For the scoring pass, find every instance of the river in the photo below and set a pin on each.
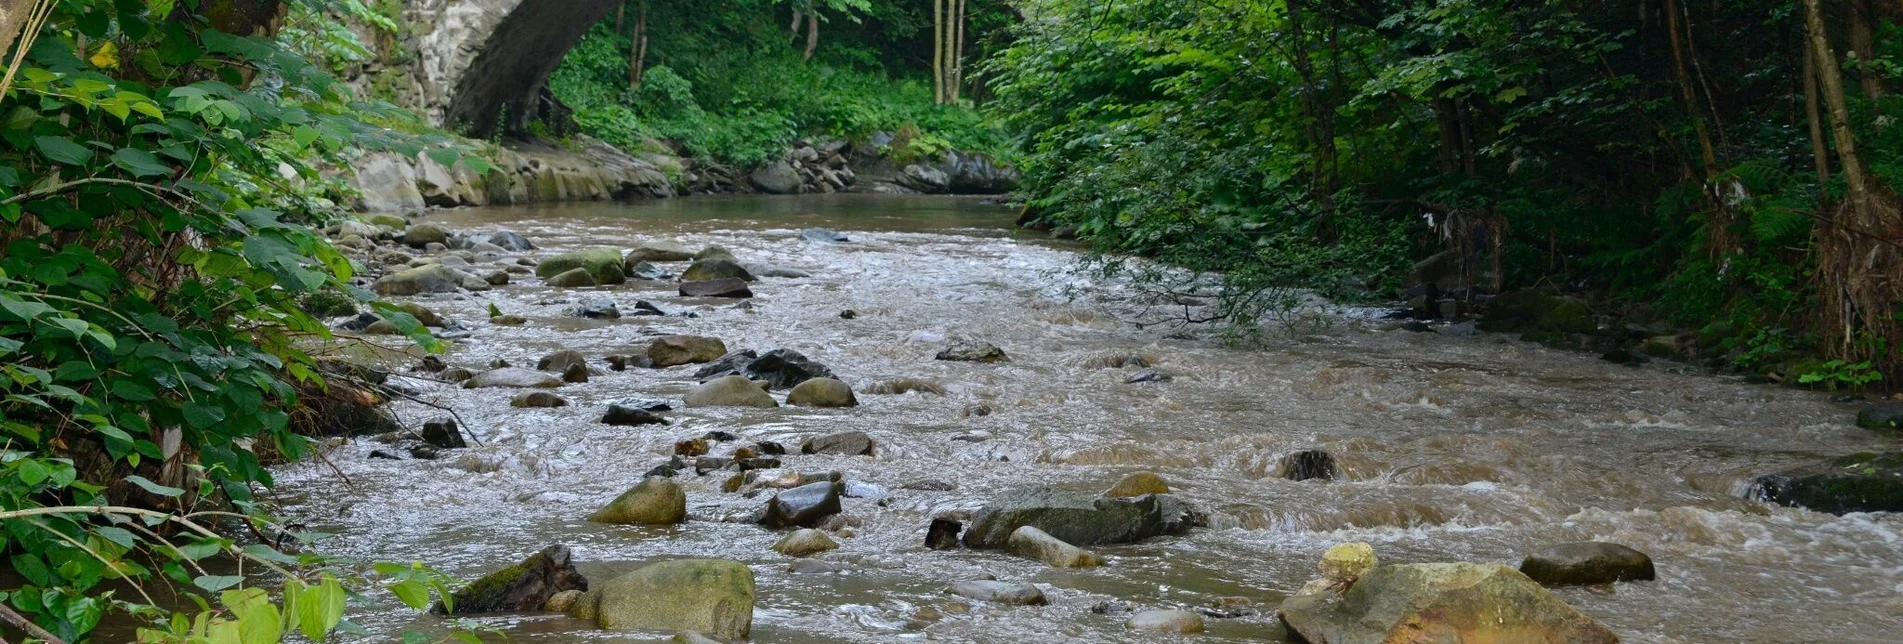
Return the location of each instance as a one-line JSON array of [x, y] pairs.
[[1477, 448]]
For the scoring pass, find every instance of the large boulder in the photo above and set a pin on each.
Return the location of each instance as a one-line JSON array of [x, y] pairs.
[[677, 350], [977, 174], [1867, 482], [785, 368], [433, 278], [422, 235], [1440, 602], [1587, 563], [728, 365], [658, 252], [717, 268], [805, 505], [709, 596], [1078, 518], [654, 501], [513, 377], [778, 178], [1539, 316], [388, 183], [730, 391], [822, 392], [523, 587], [605, 264]]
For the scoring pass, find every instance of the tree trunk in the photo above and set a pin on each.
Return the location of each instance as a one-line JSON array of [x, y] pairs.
[[20, 21], [812, 35], [795, 28], [958, 55], [938, 52], [638, 48], [13, 17], [621, 12], [1863, 43], [1820, 151], [1831, 81]]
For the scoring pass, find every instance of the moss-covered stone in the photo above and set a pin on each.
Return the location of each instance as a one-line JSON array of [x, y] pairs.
[[1867, 482], [711, 596], [1441, 602], [605, 264], [655, 501], [525, 586], [329, 304]]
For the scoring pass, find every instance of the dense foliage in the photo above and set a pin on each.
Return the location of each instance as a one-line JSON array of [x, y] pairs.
[[1655, 154], [728, 81], [158, 184]]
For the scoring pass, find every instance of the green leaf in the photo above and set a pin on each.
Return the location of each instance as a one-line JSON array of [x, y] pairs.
[[140, 163], [215, 583], [413, 593], [154, 488], [202, 416], [63, 150]]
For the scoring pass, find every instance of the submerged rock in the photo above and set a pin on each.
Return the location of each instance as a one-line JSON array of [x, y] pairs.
[[603, 264], [707, 270], [538, 400], [523, 587], [1165, 621], [823, 235], [658, 252], [630, 417], [676, 350], [840, 444], [597, 309], [1867, 482], [1440, 602], [999, 592], [1079, 519], [560, 361], [963, 350], [1032, 543], [805, 542], [654, 501], [1307, 465], [515, 377], [785, 368], [731, 287], [822, 392], [442, 432], [805, 505], [731, 391], [1881, 416], [711, 596], [903, 386], [1587, 563], [731, 364], [943, 534]]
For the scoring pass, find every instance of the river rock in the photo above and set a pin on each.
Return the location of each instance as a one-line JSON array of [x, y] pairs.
[[1881, 416], [805, 505], [711, 596], [822, 392], [1079, 519], [598, 309], [456, 374], [442, 432], [785, 368], [538, 400], [562, 602], [560, 361], [840, 444], [647, 271], [523, 587], [1867, 482], [727, 365], [823, 235], [1440, 602], [573, 278], [805, 542], [903, 386], [433, 278], [1148, 375], [509, 241], [999, 592], [730, 391], [654, 501], [1032, 543], [658, 252], [630, 417], [422, 235], [676, 350], [731, 288], [1587, 563], [496, 278], [1138, 484], [1308, 465], [508, 320], [423, 314], [1165, 621], [707, 270], [777, 178], [943, 534], [515, 377], [715, 251], [604, 264], [963, 350]]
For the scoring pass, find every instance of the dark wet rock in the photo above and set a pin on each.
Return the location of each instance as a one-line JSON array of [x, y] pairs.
[[1623, 356], [962, 350], [705, 464], [731, 287], [1165, 621], [770, 448], [385, 455], [510, 241], [1867, 482], [691, 447], [730, 391], [658, 252], [573, 278], [822, 392], [623, 363], [823, 235], [1309, 464], [515, 377], [805, 505], [758, 463], [496, 278], [906, 386], [1079, 519], [443, 433], [498, 363], [597, 309], [560, 361], [538, 400], [359, 323], [1417, 326], [646, 308], [1539, 316], [840, 444], [676, 350], [720, 436], [705, 270], [1587, 563], [630, 417], [456, 374], [433, 278], [1452, 602], [654, 501], [1111, 608], [710, 596], [999, 592], [731, 364], [575, 374], [784, 368], [605, 265], [1881, 416], [664, 470], [848, 314], [930, 485], [424, 452], [805, 542], [508, 320], [523, 587], [422, 235], [646, 271], [431, 364], [943, 534]]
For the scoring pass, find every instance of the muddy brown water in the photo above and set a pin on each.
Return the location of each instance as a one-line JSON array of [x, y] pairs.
[[1451, 448]]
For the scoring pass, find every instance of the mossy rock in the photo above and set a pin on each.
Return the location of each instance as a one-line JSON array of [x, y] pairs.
[[1866, 482], [604, 264], [1539, 315], [522, 587], [329, 304], [711, 596]]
